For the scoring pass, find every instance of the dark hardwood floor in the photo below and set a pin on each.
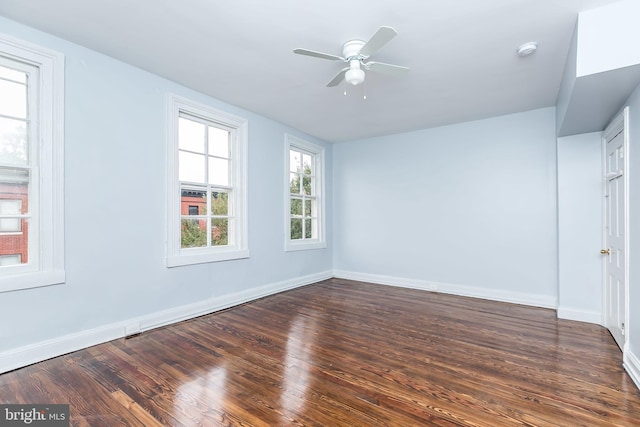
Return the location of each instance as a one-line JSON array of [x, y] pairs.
[[342, 353]]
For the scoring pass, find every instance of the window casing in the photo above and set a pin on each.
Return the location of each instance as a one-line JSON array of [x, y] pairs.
[[207, 206], [304, 189], [31, 165]]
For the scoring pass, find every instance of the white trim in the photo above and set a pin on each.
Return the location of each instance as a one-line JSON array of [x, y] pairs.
[[50, 179], [240, 249], [180, 260], [27, 355], [385, 280], [318, 153], [631, 364], [587, 316], [453, 289], [37, 352], [178, 314]]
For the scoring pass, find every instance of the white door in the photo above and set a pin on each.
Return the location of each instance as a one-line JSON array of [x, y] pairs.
[[615, 244]]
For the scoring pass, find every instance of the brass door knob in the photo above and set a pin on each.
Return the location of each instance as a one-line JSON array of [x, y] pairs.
[[605, 251]]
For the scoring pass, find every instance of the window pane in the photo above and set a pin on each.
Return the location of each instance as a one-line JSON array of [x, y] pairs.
[[13, 142], [13, 181], [13, 99], [193, 201], [307, 185], [296, 207], [219, 142], [14, 200], [10, 207], [219, 231], [11, 74], [190, 135], [294, 183], [218, 171], [307, 229], [296, 228], [191, 167], [219, 203], [308, 208], [306, 163], [193, 233], [294, 161]]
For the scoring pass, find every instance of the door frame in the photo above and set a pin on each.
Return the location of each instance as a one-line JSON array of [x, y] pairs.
[[621, 119]]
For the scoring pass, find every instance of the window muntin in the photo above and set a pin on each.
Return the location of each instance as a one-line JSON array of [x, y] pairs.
[[207, 188], [304, 202]]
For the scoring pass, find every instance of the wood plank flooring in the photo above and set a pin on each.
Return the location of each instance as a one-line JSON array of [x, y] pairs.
[[343, 353]]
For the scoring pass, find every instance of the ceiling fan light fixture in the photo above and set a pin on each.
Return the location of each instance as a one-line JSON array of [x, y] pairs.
[[355, 75]]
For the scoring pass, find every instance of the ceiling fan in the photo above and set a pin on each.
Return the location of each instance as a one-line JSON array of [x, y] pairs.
[[355, 53]]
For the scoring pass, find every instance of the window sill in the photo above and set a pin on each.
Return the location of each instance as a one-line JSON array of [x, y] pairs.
[[202, 258], [291, 246], [31, 280]]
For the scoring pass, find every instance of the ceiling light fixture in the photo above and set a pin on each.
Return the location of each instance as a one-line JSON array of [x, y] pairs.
[[527, 49], [355, 74]]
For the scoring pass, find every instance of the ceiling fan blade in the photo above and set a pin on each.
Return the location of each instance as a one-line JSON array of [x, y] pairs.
[[379, 39], [338, 78], [381, 67], [318, 54]]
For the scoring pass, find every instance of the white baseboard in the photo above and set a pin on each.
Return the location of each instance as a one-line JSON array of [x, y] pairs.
[[569, 313], [631, 364], [37, 352], [534, 300], [43, 350], [385, 280], [178, 314]]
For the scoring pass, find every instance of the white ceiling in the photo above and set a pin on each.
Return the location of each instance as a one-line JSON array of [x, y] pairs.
[[461, 54]]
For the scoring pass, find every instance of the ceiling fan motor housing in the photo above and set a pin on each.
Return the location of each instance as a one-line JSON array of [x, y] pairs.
[[351, 50]]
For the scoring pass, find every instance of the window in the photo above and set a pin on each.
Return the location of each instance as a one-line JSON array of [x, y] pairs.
[[31, 165], [304, 187], [207, 184]]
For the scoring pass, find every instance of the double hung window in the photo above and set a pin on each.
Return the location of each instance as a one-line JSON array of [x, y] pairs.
[[304, 210], [207, 184], [31, 166]]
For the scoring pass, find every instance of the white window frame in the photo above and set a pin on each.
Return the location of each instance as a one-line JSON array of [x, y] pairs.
[[176, 256], [46, 263], [317, 151]]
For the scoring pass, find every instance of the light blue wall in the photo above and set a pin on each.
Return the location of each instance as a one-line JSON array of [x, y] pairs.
[[634, 222], [472, 204], [580, 227], [115, 204]]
